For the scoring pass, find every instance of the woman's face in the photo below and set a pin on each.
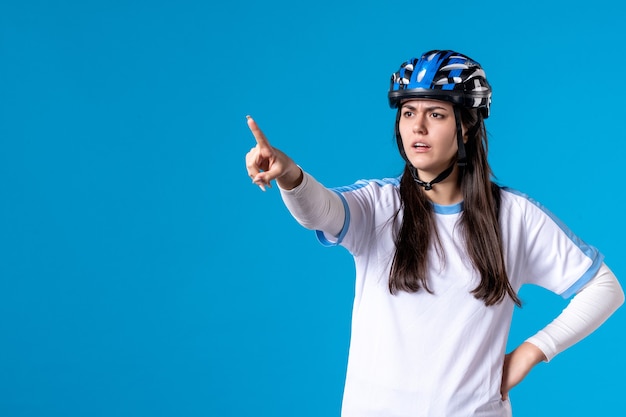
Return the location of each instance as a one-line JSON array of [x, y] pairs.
[[428, 132]]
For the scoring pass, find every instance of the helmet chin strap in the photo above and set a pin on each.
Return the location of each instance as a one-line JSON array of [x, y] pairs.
[[460, 161], [461, 155], [429, 185]]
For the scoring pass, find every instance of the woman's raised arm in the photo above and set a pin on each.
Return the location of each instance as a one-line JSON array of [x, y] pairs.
[[309, 202]]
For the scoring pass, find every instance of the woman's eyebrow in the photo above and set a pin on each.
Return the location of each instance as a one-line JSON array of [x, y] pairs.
[[436, 108], [430, 108]]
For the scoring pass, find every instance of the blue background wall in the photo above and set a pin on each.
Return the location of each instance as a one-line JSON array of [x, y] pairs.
[[141, 274]]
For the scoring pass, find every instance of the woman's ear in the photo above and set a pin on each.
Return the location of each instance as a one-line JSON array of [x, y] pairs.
[[465, 133], [470, 132]]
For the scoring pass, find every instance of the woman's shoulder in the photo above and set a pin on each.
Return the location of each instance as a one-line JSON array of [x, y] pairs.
[[516, 200], [370, 184], [381, 193], [514, 195]]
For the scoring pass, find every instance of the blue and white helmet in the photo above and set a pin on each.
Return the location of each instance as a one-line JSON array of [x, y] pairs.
[[442, 75]]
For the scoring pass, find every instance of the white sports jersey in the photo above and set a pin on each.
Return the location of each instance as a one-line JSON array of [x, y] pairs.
[[441, 354]]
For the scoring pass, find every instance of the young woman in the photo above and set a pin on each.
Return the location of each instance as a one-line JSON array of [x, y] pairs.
[[440, 255]]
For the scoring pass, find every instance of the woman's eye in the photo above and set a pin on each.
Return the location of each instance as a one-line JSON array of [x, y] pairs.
[[408, 113], [437, 115]]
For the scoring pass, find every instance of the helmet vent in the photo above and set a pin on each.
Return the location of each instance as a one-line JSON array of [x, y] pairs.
[[420, 75]]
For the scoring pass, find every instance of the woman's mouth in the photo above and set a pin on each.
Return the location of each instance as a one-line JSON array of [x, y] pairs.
[[420, 146]]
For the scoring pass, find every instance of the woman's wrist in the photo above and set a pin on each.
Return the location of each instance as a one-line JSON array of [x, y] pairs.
[[292, 178], [531, 353]]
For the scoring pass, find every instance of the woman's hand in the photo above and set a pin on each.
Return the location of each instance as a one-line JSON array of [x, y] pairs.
[[266, 163], [518, 364]]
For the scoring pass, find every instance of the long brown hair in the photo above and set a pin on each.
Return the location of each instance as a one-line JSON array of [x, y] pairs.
[[479, 223]]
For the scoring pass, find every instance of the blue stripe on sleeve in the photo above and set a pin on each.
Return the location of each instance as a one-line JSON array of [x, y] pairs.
[[344, 229], [587, 276]]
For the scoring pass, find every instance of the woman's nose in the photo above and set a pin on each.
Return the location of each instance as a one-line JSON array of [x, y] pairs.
[[419, 125]]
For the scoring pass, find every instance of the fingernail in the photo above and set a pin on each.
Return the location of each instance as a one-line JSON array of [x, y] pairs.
[[248, 117]]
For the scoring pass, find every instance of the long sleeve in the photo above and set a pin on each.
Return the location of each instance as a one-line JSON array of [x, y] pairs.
[[314, 206], [589, 308]]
